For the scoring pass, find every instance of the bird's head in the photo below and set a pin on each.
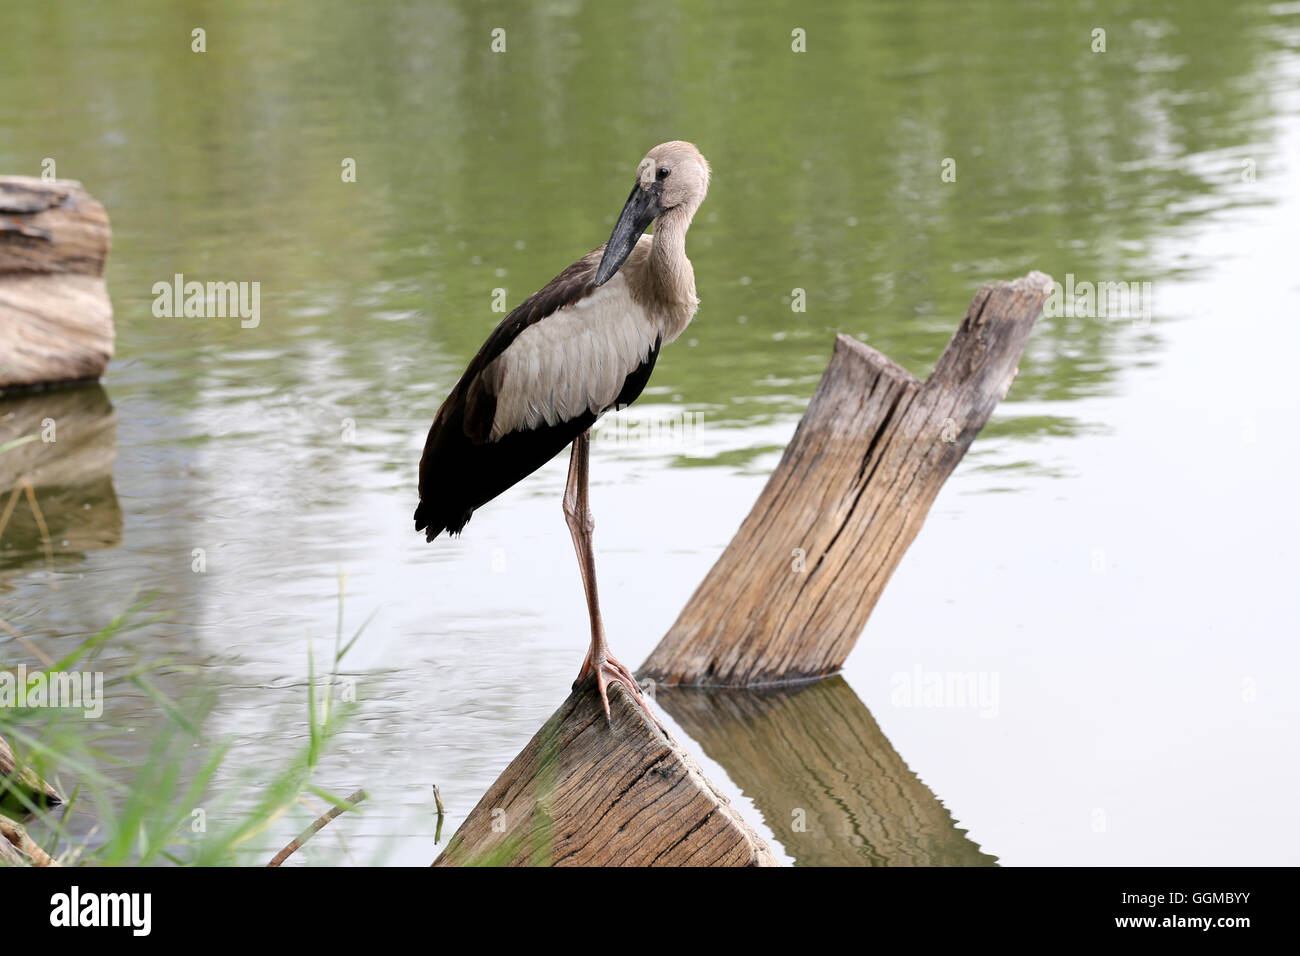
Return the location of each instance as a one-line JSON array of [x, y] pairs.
[[672, 176]]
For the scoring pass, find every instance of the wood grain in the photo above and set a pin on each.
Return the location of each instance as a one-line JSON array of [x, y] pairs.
[[56, 320], [584, 793], [828, 782], [794, 588]]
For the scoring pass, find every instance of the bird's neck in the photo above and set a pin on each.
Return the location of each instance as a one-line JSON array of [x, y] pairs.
[[668, 284]]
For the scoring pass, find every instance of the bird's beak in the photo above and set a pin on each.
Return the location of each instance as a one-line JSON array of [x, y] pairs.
[[641, 209]]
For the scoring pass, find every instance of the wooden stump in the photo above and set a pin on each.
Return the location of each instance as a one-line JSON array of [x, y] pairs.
[[56, 320], [584, 793], [793, 590], [826, 779]]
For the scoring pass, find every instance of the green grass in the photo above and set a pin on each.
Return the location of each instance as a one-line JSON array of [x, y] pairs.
[[151, 817]]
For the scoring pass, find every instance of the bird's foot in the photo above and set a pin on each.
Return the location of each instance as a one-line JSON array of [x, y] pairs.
[[610, 670]]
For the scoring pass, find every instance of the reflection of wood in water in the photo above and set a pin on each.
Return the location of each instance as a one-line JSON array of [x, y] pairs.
[[816, 748], [72, 476], [73, 527]]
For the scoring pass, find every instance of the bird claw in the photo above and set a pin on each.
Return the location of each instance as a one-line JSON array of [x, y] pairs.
[[609, 670]]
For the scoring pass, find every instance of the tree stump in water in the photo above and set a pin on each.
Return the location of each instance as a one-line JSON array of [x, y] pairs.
[[789, 596], [56, 320], [584, 793]]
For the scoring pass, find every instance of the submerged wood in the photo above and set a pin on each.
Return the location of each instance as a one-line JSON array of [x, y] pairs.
[[56, 320], [825, 778], [789, 596], [587, 793]]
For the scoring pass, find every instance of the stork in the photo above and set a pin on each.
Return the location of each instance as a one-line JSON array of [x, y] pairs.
[[584, 344]]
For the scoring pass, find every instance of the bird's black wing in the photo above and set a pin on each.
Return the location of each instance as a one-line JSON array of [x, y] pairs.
[[462, 468]]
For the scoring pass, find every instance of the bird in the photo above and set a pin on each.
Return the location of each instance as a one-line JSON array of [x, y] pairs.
[[582, 345]]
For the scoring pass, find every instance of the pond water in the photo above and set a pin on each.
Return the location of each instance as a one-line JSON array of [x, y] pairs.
[[1113, 563]]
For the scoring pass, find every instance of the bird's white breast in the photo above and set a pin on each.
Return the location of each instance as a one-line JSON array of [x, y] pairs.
[[573, 361]]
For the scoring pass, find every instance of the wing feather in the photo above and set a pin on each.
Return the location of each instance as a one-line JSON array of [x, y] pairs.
[[573, 362]]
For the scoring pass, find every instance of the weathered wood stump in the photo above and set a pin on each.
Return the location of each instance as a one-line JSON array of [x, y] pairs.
[[56, 320], [584, 793], [789, 596], [826, 779]]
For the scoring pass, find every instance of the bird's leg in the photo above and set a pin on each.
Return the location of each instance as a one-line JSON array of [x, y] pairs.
[[577, 513]]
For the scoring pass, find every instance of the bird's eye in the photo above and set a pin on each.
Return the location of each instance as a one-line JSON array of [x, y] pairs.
[[663, 172]]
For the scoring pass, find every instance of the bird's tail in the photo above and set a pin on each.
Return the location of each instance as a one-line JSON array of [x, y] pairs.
[[426, 522], [432, 523]]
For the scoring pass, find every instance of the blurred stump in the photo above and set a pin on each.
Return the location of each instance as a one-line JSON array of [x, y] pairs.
[[793, 590], [18, 849], [21, 788], [584, 793], [56, 320], [824, 776]]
